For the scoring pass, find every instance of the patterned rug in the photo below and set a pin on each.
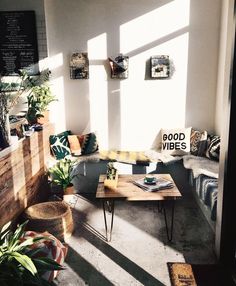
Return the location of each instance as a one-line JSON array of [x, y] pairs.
[[182, 274]]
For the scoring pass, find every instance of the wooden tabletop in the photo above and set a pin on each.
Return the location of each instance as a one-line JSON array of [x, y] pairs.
[[127, 190]]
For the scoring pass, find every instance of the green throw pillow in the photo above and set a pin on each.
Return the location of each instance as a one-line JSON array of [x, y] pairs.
[[88, 143], [60, 145]]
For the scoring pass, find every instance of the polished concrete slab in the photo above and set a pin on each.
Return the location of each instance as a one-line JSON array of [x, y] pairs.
[[139, 249]]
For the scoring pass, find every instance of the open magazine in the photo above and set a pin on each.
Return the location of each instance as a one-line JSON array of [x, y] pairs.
[[159, 184]]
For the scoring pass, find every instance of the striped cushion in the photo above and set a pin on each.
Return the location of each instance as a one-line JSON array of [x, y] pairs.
[[213, 147], [198, 142]]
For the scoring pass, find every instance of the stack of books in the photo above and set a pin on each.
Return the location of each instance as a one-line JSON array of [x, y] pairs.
[[158, 184]]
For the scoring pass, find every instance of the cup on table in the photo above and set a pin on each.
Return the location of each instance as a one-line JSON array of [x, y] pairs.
[[149, 178]]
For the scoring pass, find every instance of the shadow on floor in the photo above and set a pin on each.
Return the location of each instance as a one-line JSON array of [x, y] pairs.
[[85, 270], [129, 266]]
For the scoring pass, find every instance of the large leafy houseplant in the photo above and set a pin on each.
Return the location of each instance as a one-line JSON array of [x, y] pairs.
[[62, 172], [39, 95], [19, 264]]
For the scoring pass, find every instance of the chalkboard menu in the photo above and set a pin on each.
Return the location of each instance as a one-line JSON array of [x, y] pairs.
[[18, 42]]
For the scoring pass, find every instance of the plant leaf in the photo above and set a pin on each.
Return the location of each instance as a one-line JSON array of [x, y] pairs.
[[45, 263], [25, 261]]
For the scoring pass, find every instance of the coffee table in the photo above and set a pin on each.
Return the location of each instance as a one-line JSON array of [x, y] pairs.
[[126, 190]]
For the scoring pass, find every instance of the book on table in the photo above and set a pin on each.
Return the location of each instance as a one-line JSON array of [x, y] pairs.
[[158, 184]]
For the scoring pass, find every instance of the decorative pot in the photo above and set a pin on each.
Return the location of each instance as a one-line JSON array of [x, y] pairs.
[[69, 190], [111, 183], [43, 119]]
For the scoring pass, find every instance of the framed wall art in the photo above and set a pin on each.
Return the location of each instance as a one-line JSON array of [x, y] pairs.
[[79, 66], [160, 66], [119, 66]]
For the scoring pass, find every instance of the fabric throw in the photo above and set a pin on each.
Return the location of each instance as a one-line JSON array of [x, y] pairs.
[[59, 145], [158, 156], [50, 247], [74, 144], [198, 142], [176, 141], [89, 143], [213, 147], [201, 165], [129, 157], [207, 190]]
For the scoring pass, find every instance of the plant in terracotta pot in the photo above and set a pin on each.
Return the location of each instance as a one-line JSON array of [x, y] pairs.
[[62, 175]]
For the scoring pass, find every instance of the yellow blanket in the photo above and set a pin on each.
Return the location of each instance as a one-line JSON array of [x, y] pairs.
[[124, 156]]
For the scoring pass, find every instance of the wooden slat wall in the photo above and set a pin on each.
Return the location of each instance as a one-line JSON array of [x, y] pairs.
[[22, 174]]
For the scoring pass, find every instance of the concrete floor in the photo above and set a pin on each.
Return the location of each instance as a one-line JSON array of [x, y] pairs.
[[139, 250]]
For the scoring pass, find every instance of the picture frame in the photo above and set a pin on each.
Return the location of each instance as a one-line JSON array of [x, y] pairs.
[[119, 66], [79, 65], [160, 67]]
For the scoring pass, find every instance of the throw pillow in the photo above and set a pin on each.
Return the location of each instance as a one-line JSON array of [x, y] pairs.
[[213, 147], [198, 142], [49, 247], [88, 143], [176, 141], [60, 145], [74, 143]]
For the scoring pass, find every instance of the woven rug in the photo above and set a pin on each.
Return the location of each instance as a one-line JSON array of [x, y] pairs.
[[184, 274]]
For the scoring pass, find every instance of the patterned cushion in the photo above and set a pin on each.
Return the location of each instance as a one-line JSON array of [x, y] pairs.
[[88, 143], [213, 147], [74, 144], [176, 141], [60, 145], [198, 142], [51, 248]]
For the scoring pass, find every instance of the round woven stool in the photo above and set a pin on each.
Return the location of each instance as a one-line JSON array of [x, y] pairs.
[[54, 217]]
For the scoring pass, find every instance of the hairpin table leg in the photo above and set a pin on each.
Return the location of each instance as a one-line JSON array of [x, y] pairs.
[[169, 233], [110, 204]]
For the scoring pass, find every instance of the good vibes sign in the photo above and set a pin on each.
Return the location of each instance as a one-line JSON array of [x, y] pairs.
[[176, 141]]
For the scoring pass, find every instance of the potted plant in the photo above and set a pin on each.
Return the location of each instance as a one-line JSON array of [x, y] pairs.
[[39, 97], [111, 179], [38, 94], [19, 264], [61, 174]]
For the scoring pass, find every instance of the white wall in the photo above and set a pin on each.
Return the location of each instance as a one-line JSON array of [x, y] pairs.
[[128, 114]]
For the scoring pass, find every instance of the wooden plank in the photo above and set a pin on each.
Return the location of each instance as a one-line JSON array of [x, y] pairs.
[[127, 190], [22, 174]]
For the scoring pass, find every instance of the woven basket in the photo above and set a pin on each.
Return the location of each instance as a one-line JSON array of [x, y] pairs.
[[54, 217]]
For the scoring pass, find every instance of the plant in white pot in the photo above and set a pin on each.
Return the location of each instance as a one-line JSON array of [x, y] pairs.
[[62, 175]]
